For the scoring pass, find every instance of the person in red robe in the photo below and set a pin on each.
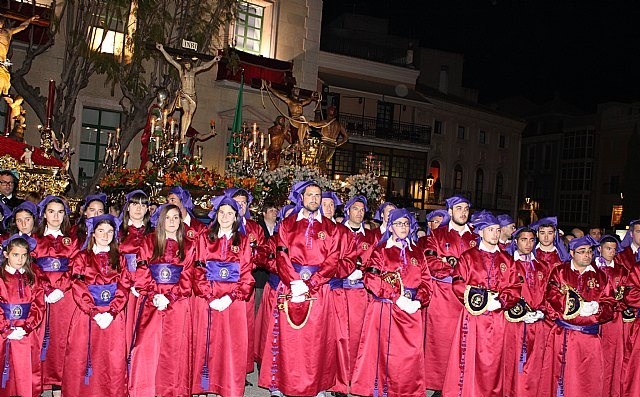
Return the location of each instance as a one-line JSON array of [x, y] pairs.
[[550, 248], [22, 220], [256, 239], [55, 249], [613, 334], [162, 349], [486, 281], [579, 300], [21, 313], [630, 257], [223, 284], [94, 205], [507, 227], [302, 357], [136, 225], [390, 360], [526, 331], [382, 216], [349, 296], [96, 360], [181, 198], [442, 248]]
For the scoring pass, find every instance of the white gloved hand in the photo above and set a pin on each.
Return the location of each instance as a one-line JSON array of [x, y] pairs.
[[220, 304], [539, 315], [589, 308], [54, 296], [298, 287], [530, 318], [135, 292], [160, 301], [17, 334], [407, 305], [413, 306], [298, 299], [356, 275], [493, 304], [103, 319]]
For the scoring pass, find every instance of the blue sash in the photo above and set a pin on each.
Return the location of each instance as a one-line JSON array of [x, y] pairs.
[[336, 283], [305, 272], [224, 272], [165, 273], [132, 264], [447, 279], [102, 294], [50, 264], [16, 311], [593, 329], [273, 280], [409, 293]]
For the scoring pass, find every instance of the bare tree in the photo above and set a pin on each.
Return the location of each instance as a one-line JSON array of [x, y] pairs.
[[137, 71]]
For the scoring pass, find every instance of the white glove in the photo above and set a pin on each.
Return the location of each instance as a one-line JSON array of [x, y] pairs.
[[17, 334], [530, 318], [160, 301], [103, 320], [493, 304], [54, 296], [298, 299], [220, 304], [408, 305], [356, 275], [589, 308], [298, 287], [135, 292], [539, 315]]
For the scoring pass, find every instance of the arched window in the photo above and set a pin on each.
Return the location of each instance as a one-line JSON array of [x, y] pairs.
[[479, 185], [457, 178]]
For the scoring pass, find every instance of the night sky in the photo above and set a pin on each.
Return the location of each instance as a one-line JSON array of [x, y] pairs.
[[586, 52]]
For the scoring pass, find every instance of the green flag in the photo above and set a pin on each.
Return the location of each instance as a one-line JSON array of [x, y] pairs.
[[237, 118]]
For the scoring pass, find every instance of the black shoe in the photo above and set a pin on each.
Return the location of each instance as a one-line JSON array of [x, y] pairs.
[[247, 383], [337, 394], [437, 393]]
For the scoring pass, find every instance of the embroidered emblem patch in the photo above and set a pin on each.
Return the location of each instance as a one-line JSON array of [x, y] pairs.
[[322, 235], [191, 233], [55, 264], [503, 267], [305, 274], [540, 276], [591, 283], [365, 246], [16, 313], [472, 243], [235, 249], [407, 294], [105, 295], [165, 274], [414, 261], [252, 237], [224, 273], [66, 241]]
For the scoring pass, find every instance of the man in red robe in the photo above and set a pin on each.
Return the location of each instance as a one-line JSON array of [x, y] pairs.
[[630, 244], [302, 358], [550, 248], [579, 300], [486, 281], [442, 249]]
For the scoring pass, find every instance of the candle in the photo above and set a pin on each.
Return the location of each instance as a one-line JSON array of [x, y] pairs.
[[117, 135], [124, 160], [264, 153], [165, 113], [200, 152], [255, 135], [177, 147], [262, 139], [109, 138], [153, 124], [173, 123], [245, 153], [269, 139], [255, 127]]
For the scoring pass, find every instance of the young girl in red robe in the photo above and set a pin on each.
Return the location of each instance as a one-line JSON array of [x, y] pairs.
[[95, 364], [54, 251], [21, 312], [162, 349], [224, 282]]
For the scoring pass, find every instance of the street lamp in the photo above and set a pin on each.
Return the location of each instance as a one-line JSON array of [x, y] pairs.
[[530, 203], [430, 180]]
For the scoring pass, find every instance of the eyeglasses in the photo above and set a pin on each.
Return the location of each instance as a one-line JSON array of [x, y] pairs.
[[584, 252], [401, 224], [5, 183]]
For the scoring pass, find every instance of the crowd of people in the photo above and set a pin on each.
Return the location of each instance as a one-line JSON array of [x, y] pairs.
[[157, 303]]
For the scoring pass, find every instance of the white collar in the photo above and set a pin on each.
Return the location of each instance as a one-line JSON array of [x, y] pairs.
[[130, 223], [383, 228], [11, 270], [464, 229], [634, 248], [538, 246], [603, 262], [317, 216], [226, 234], [393, 243], [519, 257], [483, 247], [587, 269], [54, 233], [360, 230], [187, 219], [98, 250]]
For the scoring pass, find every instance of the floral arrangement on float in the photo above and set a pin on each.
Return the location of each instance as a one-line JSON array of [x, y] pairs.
[[366, 185], [276, 184]]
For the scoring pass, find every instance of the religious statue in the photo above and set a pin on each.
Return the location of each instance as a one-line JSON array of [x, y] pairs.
[[65, 151], [295, 102], [278, 133], [330, 131], [15, 106], [5, 41], [26, 156], [186, 96]]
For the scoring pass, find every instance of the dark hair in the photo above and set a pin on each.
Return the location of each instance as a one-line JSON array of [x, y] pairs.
[[28, 270], [15, 179], [594, 227], [114, 252], [81, 225], [609, 239], [12, 227], [42, 226], [161, 236], [524, 230], [214, 228], [310, 185], [139, 198], [551, 225], [267, 205]]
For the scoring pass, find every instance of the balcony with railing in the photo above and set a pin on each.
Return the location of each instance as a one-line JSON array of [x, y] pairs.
[[371, 127]]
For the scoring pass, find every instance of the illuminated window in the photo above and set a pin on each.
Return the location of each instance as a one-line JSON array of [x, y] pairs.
[[96, 125], [109, 34], [249, 27]]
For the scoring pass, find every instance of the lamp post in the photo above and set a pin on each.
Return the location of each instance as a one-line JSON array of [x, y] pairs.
[[530, 203], [430, 180]]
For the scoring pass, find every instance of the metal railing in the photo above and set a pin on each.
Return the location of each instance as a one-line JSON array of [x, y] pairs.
[[371, 127]]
